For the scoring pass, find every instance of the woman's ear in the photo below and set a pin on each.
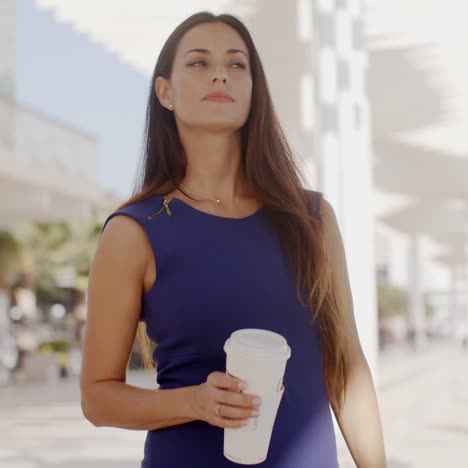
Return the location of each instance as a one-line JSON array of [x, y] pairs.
[[161, 88]]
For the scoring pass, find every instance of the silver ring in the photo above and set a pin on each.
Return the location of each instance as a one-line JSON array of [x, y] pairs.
[[217, 409]]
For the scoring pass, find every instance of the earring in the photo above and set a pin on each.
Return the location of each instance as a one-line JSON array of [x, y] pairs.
[[170, 106]]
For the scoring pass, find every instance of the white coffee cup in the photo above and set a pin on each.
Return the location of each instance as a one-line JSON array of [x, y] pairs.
[[258, 357]]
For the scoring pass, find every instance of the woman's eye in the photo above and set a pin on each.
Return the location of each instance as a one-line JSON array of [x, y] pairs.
[[241, 65]]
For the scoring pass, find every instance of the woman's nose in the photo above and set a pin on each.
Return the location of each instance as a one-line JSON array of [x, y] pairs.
[[219, 73]]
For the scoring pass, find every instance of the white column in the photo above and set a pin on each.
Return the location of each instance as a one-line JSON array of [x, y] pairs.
[[465, 285], [345, 152], [307, 97], [453, 311], [417, 313]]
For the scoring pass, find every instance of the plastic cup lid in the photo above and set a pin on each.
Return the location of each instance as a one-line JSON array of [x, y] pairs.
[[258, 344]]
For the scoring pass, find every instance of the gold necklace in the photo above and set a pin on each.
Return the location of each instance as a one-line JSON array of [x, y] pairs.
[[217, 200]]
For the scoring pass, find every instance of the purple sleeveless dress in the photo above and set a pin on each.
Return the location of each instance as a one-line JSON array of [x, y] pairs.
[[216, 275]]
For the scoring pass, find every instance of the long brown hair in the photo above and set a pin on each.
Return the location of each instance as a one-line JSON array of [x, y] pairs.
[[268, 166]]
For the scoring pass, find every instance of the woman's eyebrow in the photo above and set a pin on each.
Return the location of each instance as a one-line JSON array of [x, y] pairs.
[[206, 51]]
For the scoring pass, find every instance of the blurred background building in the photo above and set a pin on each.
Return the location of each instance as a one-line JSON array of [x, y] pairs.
[[48, 178]]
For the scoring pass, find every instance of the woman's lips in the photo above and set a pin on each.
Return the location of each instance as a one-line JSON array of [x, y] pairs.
[[218, 98]]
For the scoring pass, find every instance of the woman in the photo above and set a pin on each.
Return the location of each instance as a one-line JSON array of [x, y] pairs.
[[221, 236]]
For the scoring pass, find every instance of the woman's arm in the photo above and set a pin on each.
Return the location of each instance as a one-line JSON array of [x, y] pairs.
[[114, 403], [118, 277], [359, 420]]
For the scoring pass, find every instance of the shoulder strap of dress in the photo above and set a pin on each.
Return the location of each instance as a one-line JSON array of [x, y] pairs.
[[128, 211], [140, 211]]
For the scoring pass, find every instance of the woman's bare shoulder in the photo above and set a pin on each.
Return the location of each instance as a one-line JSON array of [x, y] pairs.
[[125, 238]]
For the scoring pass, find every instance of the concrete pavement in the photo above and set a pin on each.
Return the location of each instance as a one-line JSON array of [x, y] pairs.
[[423, 398]]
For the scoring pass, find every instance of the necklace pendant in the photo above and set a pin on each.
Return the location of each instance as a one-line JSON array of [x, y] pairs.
[[217, 201]]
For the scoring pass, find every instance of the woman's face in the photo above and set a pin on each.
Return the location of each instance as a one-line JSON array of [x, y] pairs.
[[198, 73]]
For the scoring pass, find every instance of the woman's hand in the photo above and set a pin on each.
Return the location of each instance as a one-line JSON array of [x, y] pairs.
[[235, 406]]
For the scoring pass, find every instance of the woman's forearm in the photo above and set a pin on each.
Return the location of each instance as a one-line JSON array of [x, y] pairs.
[[359, 420], [117, 404]]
